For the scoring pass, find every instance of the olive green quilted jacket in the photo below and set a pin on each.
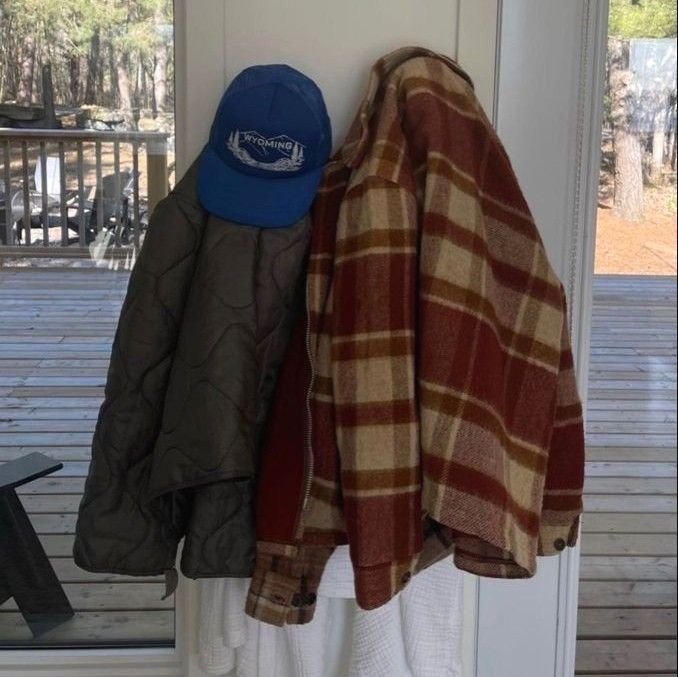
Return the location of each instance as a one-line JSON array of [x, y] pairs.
[[204, 325]]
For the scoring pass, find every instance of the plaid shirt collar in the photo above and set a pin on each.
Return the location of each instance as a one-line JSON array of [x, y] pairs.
[[357, 139]]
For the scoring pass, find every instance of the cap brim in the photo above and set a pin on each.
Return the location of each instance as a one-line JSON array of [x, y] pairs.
[[255, 201]]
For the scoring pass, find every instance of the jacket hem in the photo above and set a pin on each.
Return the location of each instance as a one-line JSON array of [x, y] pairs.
[[197, 575], [120, 571], [494, 547], [211, 478]]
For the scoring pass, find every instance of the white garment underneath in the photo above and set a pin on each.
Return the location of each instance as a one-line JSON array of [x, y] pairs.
[[417, 634]]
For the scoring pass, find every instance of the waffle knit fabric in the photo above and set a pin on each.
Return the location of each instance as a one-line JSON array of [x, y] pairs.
[[417, 634], [428, 399]]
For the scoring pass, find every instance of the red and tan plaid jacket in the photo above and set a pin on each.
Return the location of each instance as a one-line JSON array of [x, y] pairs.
[[444, 414]]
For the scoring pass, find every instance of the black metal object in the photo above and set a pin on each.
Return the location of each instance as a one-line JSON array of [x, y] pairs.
[[25, 572], [31, 117]]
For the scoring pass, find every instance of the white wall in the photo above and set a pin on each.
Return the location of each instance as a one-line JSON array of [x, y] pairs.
[[334, 43], [548, 116]]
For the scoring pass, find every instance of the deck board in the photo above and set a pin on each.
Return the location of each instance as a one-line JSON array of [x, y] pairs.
[[95, 628], [615, 655], [56, 328], [627, 595]]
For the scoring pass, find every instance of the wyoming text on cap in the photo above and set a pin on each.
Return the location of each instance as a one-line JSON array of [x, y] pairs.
[[269, 142]]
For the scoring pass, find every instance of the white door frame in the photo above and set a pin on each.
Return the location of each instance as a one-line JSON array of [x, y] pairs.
[[549, 114], [584, 200]]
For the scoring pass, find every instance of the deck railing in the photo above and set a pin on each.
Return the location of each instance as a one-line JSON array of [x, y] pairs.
[[65, 189]]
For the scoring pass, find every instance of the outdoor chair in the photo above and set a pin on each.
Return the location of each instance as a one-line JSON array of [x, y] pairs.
[[53, 190], [35, 209], [4, 196], [116, 208], [114, 201], [25, 572]]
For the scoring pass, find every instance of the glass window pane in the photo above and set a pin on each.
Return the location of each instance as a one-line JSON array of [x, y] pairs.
[[86, 151], [628, 564]]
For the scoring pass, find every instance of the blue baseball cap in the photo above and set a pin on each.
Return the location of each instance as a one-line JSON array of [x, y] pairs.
[[269, 142]]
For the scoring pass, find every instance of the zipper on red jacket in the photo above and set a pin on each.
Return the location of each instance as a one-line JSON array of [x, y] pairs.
[[309, 421]]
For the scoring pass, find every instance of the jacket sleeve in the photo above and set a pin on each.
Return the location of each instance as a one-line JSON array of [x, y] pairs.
[[117, 530], [562, 498], [562, 501]]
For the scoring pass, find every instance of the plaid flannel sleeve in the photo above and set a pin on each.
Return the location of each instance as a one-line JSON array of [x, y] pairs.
[[562, 501]]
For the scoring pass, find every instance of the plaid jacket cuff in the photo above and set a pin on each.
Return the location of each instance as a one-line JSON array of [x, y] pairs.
[[556, 535], [376, 585], [285, 583]]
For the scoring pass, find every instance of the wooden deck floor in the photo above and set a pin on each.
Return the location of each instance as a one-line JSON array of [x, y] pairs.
[[56, 327], [627, 612]]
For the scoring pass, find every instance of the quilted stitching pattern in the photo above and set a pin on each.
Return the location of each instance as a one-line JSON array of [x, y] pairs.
[[202, 330]]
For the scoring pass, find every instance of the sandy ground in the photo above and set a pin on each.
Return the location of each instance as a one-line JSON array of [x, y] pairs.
[[646, 248]]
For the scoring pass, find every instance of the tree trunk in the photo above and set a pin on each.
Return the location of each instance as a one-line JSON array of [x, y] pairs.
[[5, 58], [93, 68], [160, 68], [74, 78], [25, 90], [113, 75], [124, 95], [628, 174], [145, 83]]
